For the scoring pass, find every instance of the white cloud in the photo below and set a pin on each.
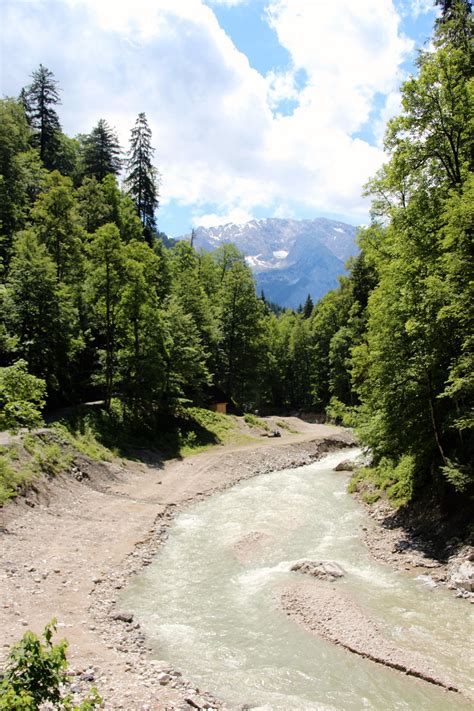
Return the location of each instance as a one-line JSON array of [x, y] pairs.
[[229, 3], [391, 108], [421, 7], [281, 86], [219, 137], [284, 212], [236, 215]]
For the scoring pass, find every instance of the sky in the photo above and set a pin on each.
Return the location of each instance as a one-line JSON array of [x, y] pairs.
[[258, 108]]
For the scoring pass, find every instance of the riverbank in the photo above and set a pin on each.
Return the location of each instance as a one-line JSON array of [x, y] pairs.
[[69, 549], [413, 542]]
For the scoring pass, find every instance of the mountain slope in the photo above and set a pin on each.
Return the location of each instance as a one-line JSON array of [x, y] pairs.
[[290, 258]]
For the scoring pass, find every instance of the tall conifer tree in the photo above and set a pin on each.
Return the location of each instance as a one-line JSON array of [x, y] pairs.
[[142, 178], [102, 152], [39, 100]]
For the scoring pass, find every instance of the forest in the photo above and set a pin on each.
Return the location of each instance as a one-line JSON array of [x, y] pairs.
[[97, 305]]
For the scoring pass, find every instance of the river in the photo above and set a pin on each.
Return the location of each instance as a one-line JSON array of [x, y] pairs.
[[209, 602]]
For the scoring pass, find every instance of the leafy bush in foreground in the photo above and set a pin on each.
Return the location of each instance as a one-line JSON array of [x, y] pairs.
[[36, 673]]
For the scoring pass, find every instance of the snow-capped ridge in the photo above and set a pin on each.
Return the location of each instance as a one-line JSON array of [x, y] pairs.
[[289, 258]]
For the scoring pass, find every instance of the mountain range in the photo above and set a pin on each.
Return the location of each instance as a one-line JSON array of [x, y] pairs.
[[289, 258]]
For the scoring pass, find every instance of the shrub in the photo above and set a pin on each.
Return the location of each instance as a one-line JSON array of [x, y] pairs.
[[339, 413], [36, 673], [10, 480], [21, 397]]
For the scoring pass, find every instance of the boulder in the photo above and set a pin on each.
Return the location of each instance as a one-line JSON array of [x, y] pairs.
[[123, 617], [347, 465], [322, 569], [463, 576]]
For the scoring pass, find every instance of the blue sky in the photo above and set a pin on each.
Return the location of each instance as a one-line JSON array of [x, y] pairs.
[[259, 108]]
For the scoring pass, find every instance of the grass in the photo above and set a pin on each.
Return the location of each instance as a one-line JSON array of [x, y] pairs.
[[395, 481], [370, 497], [205, 429], [285, 426], [255, 421], [85, 441], [22, 462], [101, 435], [11, 480]]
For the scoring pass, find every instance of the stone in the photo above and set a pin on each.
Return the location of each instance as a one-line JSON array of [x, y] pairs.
[[346, 466], [324, 570], [123, 617], [163, 679], [463, 576]]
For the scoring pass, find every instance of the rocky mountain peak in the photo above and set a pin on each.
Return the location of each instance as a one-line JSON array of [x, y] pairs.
[[289, 258]]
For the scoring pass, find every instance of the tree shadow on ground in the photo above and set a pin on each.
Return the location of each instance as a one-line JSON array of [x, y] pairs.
[[435, 530]]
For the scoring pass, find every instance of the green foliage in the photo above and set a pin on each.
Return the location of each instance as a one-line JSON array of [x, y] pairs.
[[339, 413], [255, 421], [39, 313], [242, 352], [11, 480], [199, 428], [395, 479], [104, 288], [413, 369], [371, 497], [285, 426], [39, 100], [16, 161], [51, 459], [459, 476], [82, 436], [101, 152], [142, 176], [36, 674], [21, 397], [55, 219]]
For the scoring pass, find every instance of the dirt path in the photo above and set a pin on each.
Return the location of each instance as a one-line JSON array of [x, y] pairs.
[[68, 552]]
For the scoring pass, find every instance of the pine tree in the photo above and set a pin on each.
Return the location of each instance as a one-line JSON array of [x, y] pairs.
[[101, 151], [142, 178], [39, 100], [448, 8], [308, 307]]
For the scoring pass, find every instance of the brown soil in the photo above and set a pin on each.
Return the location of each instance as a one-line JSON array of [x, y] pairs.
[[68, 549]]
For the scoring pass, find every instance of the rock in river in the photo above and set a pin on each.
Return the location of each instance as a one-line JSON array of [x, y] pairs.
[[323, 569]]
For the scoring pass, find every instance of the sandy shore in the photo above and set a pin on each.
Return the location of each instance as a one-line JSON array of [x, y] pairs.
[[68, 550]]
